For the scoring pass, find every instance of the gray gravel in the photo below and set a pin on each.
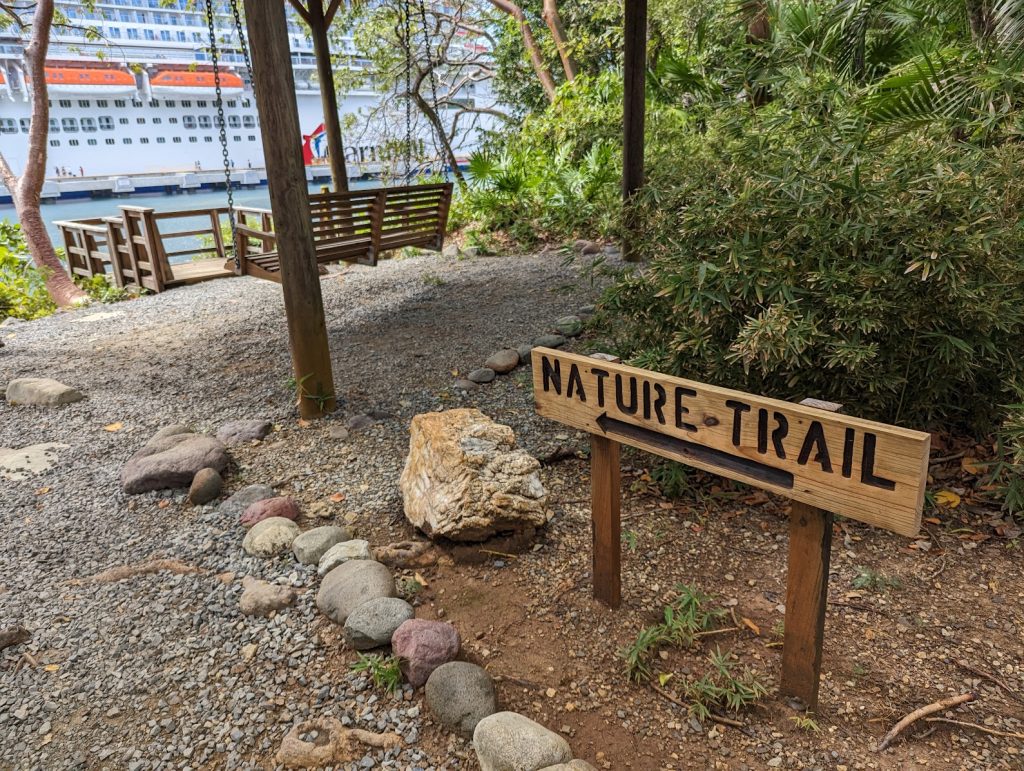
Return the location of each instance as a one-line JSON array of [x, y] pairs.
[[161, 671]]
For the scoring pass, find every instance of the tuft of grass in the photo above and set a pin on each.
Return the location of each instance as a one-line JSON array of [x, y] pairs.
[[409, 587], [683, 619], [725, 687], [873, 580], [433, 280], [383, 670], [806, 723], [631, 539]]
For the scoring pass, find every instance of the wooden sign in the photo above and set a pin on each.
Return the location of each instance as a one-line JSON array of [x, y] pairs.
[[864, 470], [824, 461]]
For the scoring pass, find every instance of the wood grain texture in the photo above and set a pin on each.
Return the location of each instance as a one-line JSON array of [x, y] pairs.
[[606, 499], [289, 199], [858, 468], [810, 547]]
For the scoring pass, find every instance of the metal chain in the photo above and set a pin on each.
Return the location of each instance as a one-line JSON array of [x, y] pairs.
[[240, 29], [433, 76], [222, 125], [408, 91]]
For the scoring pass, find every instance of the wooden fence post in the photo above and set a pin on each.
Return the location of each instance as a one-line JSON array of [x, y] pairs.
[[810, 549], [606, 500]]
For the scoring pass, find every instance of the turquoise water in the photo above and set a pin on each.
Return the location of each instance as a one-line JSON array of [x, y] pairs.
[[87, 208]]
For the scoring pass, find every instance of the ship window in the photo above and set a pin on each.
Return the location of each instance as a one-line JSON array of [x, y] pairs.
[[64, 102], [236, 138], [248, 121], [158, 120], [188, 121], [234, 121], [154, 103], [193, 139], [70, 125], [106, 122], [54, 143], [150, 35], [252, 137], [92, 141], [83, 103], [143, 140], [207, 139], [201, 103], [8, 126], [101, 102], [186, 102], [232, 103], [109, 141], [54, 126], [119, 103], [114, 32], [136, 103], [127, 140], [165, 35], [73, 142], [133, 34], [123, 121], [172, 120], [140, 120], [204, 121], [176, 140], [246, 103], [25, 124], [170, 103], [88, 124], [160, 140]]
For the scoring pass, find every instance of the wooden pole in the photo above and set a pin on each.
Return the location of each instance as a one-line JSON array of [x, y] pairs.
[[318, 25], [810, 550], [300, 276], [606, 498], [634, 63]]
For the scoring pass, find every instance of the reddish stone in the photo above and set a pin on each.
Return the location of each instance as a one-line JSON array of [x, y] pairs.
[[422, 646], [270, 507]]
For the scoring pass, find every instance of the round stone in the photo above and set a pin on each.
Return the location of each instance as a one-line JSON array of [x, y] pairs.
[[524, 352], [284, 508], [270, 537], [350, 585], [482, 375], [507, 740], [503, 361], [550, 341], [206, 485], [462, 384], [422, 646], [570, 326], [372, 624], [243, 499], [309, 547], [340, 553], [460, 695]]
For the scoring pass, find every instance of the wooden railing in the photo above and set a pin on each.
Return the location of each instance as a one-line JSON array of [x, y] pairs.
[[136, 248]]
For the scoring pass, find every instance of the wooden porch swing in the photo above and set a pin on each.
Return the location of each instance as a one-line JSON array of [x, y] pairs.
[[358, 226]]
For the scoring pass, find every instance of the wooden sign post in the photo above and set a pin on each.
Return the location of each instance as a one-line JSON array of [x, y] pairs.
[[823, 461]]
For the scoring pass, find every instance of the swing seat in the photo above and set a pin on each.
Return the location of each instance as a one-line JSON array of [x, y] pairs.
[[359, 226]]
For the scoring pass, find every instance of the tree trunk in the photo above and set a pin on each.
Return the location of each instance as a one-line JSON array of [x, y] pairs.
[[547, 82], [26, 189], [554, 21], [431, 115], [328, 97]]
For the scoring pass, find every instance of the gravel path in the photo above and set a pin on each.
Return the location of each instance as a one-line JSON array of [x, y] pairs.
[[161, 670]]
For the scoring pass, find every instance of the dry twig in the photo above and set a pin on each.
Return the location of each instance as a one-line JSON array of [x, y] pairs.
[[921, 712], [986, 676], [975, 726], [711, 715]]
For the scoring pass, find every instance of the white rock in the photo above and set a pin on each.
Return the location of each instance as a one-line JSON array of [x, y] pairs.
[[270, 537], [19, 464], [311, 546], [466, 480], [507, 741], [41, 392], [340, 553]]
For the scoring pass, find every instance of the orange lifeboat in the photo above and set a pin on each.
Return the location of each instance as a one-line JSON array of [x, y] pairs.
[[89, 80], [194, 83]]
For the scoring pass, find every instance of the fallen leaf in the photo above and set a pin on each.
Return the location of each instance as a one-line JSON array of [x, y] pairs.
[[869, 634], [51, 667], [972, 465], [163, 504], [338, 497], [43, 490], [947, 498], [751, 625], [114, 427], [665, 505], [664, 677], [303, 423], [933, 520], [421, 580], [921, 545], [455, 373]]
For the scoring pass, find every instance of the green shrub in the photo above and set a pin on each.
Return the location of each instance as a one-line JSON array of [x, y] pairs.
[[23, 292], [794, 262]]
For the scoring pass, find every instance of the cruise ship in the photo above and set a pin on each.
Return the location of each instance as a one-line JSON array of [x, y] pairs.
[[136, 97]]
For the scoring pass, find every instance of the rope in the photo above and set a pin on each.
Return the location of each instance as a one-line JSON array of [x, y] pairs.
[[408, 90], [433, 76]]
